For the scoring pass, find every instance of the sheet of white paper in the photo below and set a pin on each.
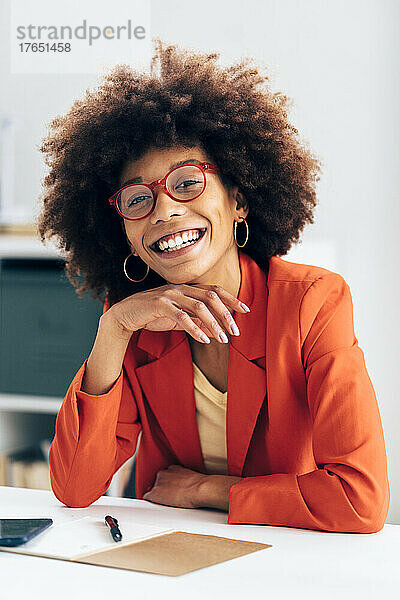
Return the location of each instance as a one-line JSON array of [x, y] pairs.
[[85, 535]]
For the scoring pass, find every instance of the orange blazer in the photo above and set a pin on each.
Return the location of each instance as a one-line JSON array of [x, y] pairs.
[[303, 425]]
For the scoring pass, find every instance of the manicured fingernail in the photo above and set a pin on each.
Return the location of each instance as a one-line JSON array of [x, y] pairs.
[[235, 329], [205, 338], [223, 337], [246, 308]]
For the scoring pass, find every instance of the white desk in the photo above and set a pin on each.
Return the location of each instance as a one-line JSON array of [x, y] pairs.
[[301, 564]]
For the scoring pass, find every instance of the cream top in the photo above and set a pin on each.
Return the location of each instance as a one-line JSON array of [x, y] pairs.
[[211, 423]]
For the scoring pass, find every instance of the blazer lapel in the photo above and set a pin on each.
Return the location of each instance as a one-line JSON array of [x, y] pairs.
[[167, 381], [168, 385], [246, 379]]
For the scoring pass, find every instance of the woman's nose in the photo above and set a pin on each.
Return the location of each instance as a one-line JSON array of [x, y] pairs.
[[165, 205]]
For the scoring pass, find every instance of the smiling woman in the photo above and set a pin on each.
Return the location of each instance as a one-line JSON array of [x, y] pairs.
[[241, 370]]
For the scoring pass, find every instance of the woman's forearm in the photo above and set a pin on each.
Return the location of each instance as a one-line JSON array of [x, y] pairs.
[[104, 363], [214, 491], [88, 446]]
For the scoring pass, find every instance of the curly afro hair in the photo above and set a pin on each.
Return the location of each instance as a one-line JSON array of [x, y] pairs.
[[185, 99]]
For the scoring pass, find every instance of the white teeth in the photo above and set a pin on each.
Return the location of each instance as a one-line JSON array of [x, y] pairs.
[[190, 243], [178, 241]]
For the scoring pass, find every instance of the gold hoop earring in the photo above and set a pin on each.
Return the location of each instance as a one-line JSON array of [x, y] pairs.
[[130, 278], [247, 232]]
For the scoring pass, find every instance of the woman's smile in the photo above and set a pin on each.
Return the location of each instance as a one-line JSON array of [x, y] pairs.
[[187, 247]]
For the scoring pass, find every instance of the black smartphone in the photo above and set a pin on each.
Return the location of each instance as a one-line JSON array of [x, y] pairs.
[[14, 532]]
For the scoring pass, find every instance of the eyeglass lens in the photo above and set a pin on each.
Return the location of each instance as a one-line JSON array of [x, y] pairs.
[[183, 183]]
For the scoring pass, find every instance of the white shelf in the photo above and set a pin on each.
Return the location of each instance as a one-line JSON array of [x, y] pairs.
[[29, 404], [23, 246]]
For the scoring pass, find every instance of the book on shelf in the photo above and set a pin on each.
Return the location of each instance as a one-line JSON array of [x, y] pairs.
[[28, 468]]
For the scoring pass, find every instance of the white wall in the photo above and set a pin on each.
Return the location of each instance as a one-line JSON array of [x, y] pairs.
[[339, 61]]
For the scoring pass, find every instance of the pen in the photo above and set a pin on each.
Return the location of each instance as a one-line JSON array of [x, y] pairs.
[[114, 529]]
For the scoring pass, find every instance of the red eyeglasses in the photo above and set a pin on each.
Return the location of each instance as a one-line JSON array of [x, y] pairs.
[[186, 182]]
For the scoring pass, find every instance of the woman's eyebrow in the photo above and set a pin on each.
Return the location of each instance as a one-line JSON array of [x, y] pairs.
[[178, 164]]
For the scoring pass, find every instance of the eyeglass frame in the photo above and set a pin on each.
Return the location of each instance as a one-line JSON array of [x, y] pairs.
[[203, 166]]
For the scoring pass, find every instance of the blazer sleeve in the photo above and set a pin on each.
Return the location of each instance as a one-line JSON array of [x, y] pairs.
[[349, 489], [94, 436]]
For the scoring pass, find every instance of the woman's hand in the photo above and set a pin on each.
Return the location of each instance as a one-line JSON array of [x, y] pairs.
[[199, 310], [183, 488], [176, 486]]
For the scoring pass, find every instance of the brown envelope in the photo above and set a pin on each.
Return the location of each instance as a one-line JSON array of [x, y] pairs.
[[173, 553]]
